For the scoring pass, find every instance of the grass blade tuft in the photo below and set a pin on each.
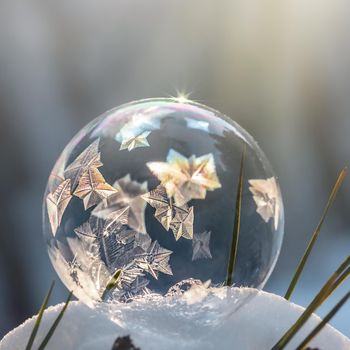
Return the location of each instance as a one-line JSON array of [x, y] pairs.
[[315, 234], [237, 224], [323, 323], [55, 324], [39, 318], [336, 279]]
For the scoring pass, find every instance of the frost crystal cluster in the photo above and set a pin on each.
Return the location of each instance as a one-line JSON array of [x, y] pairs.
[[144, 198]]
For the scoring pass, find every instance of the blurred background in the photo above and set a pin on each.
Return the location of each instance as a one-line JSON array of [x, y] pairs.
[[279, 68]]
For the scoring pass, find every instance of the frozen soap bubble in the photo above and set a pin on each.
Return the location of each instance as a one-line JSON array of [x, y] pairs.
[[143, 200]]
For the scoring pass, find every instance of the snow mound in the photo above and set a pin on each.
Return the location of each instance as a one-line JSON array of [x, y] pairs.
[[201, 318]]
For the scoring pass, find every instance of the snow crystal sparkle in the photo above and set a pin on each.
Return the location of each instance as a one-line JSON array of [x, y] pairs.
[[143, 198]]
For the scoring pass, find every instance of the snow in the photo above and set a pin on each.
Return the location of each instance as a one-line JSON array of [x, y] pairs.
[[235, 318]]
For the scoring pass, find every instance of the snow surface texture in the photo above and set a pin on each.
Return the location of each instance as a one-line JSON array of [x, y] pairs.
[[244, 319]]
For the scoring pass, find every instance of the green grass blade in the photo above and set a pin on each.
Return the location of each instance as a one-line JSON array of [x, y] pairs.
[[55, 324], [303, 318], [237, 224], [39, 317], [315, 235], [111, 283], [328, 288], [344, 276], [323, 323]]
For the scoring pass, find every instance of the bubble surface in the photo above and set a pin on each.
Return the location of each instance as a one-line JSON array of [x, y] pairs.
[[144, 198]]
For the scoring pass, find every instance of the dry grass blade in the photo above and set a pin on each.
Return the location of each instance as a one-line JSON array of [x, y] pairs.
[[237, 224], [315, 234], [39, 317], [55, 324], [323, 323], [111, 283], [337, 278]]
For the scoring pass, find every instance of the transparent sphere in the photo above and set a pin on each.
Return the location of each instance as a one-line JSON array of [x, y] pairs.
[[145, 199]]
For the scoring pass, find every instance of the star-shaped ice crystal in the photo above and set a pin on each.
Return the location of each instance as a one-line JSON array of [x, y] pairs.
[[200, 245], [186, 178], [265, 194], [131, 142], [127, 195], [92, 187], [177, 218], [90, 157], [154, 260], [57, 202]]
